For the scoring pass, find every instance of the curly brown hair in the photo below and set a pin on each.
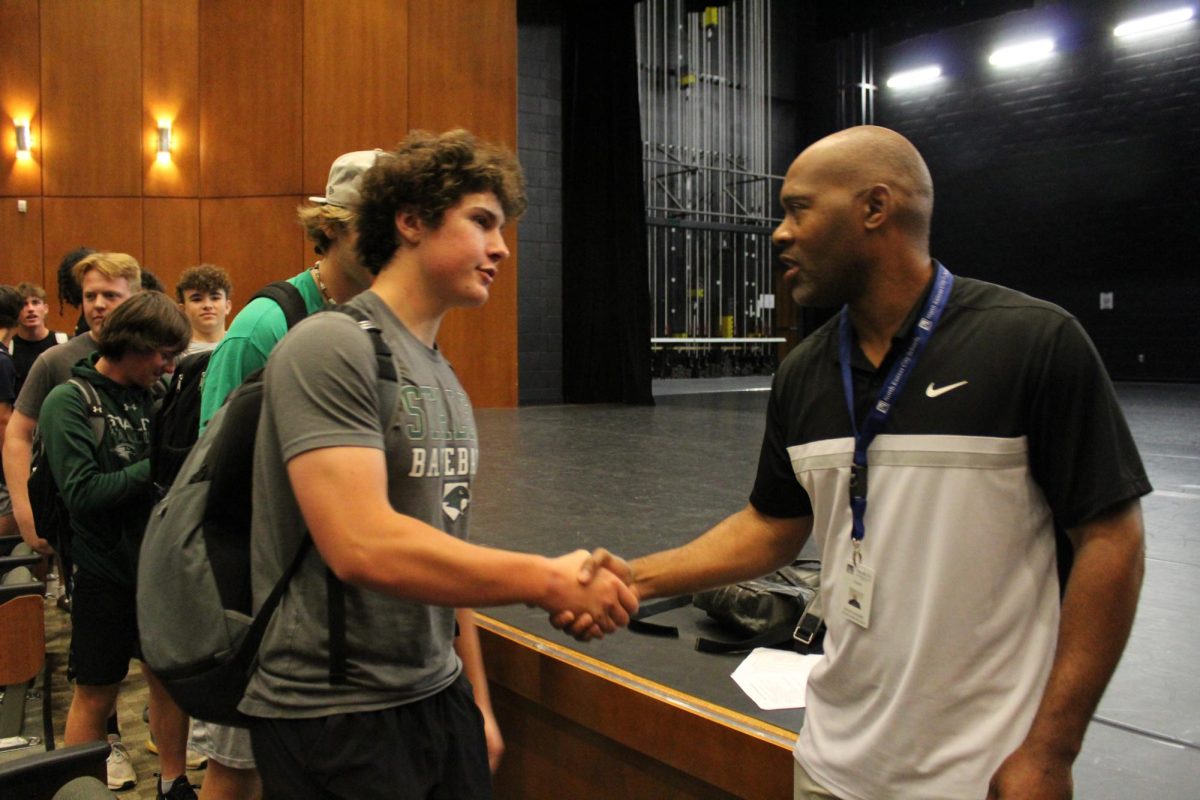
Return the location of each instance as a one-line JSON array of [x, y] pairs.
[[427, 174], [206, 278]]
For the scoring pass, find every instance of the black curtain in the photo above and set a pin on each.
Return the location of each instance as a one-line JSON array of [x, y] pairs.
[[606, 296]]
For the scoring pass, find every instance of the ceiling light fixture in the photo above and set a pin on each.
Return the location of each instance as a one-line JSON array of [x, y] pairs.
[[912, 78], [1023, 53], [1153, 23]]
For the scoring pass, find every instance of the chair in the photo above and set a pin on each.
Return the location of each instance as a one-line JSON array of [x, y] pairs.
[[22, 656], [15, 553], [85, 788], [14, 560], [18, 582], [40, 776], [8, 541], [35, 773]]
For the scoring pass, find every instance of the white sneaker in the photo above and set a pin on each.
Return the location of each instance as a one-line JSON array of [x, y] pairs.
[[120, 769]]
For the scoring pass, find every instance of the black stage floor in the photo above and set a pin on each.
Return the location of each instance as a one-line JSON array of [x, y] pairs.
[[638, 479]]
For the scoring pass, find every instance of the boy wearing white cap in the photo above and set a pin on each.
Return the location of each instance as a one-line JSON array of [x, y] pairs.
[[335, 278]]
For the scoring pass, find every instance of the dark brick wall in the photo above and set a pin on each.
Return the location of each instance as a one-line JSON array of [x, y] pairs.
[[539, 146], [1071, 178]]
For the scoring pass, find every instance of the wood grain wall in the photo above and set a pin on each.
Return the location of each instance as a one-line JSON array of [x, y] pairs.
[[261, 98]]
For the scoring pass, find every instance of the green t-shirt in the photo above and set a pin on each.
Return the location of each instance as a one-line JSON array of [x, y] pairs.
[[253, 335]]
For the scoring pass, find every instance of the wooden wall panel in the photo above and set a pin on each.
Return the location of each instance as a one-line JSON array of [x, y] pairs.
[[103, 223], [250, 93], [355, 97], [92, 98], [171, 91], [20, 54], [255, 239], [262, 96], [487, 365], [21, 234], [466, 67], [171, 232], [466, 76]]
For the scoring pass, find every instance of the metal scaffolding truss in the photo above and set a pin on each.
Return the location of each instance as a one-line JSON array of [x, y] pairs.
[[705, 103]]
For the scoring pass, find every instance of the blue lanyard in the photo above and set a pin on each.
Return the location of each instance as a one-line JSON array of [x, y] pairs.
[[888, 393]]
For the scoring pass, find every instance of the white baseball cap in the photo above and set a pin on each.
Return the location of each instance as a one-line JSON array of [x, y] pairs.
[[345, 177]]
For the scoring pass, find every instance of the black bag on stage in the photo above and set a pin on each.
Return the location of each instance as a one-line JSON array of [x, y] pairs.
[[776, 609], [782, 609]]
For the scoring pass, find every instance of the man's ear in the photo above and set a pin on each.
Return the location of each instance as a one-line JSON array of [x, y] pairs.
[[409, 226], [877, 206]]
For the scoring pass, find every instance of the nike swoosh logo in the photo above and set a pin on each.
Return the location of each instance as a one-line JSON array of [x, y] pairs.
[[930, 391]]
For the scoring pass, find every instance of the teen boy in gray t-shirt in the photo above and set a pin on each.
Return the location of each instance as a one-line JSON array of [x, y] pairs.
[[387, 506]]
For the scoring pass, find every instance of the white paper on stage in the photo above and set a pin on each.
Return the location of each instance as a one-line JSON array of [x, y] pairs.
[[775, 678]]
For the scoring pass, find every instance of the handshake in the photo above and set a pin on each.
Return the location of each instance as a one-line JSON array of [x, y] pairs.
[[592, 594]]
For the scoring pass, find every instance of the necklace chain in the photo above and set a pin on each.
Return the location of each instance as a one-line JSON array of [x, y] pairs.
[[321, 283]]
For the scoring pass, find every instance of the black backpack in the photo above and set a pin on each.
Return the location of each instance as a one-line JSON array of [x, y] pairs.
[[198, 630], [177, 420], [50, 515]]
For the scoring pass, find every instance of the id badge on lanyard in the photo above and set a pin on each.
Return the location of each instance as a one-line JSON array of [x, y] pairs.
[[860, 577]]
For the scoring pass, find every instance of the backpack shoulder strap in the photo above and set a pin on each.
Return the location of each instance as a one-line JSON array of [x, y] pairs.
[[91, 399], [191, 365], [335, 590], [288, 298], [383, 353]]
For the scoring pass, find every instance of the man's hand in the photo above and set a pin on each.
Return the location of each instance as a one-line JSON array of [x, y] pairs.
[[602, 559], [1029, 775], [40, 545], [582, 626], [603, 599], [1097, 614]]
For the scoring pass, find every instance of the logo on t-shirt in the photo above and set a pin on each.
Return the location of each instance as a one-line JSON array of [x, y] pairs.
[[931, 391], [455, 499], [125, 451]]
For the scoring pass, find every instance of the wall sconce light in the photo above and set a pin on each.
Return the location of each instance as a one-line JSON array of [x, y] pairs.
[[24, 139], [164, 141]]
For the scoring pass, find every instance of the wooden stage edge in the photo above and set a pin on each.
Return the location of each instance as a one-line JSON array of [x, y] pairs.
[[578, 727]]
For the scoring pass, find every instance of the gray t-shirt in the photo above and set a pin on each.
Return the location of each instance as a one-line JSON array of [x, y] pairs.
[[321, 391], [52, 368]]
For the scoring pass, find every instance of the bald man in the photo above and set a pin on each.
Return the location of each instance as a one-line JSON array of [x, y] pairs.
[[952, 668]]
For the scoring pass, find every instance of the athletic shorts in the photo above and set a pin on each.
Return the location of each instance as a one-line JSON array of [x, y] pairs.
[[227, 746], [433, 749], [104, 632]]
